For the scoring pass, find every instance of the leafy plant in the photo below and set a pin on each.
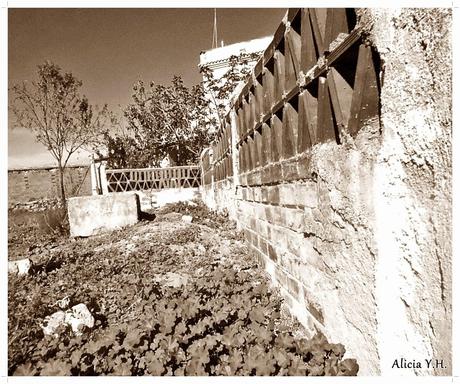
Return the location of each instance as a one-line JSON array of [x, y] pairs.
[[219, 90], [226, 320], [161, 121]]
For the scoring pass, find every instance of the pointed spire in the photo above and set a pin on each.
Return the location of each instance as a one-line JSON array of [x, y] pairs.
[[214, 31]]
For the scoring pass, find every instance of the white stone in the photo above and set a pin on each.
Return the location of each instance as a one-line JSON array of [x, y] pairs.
[[79, 317], [201, 249], [187, 218], [52, 322], [171, 279], [21, 267]]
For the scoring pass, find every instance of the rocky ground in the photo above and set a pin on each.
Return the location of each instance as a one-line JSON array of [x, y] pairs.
[[167, 296]]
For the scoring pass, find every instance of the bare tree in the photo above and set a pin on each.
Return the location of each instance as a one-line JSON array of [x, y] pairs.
[[61, 119]]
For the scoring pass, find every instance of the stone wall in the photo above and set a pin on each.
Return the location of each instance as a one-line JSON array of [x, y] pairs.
[[360, 239], [412, 184], [221, 198], [43, 183]]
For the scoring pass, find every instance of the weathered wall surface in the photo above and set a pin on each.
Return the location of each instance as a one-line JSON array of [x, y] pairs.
[[358, 234], [221, 197], [316, 238], [412, 185], [34, 184]]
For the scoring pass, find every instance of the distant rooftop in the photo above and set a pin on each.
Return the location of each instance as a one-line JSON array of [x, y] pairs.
[[221, 54]]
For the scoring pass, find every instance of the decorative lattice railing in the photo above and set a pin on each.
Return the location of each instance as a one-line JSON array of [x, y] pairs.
[[317, 81], [124, 180]]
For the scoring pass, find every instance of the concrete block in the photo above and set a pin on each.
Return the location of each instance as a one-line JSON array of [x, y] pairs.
[[251, 177], [252, 223], [247, 208], [306, 194], [307, 253], [286, 194], [289, 170], [293, 287], [257, 194], [264, 197], [303, 167], [250, 194], [269, 213], [299, 194], [263, 245], [272, 254], [281, 277], [91, 215], [20, 267], [259, 211], [256, 177], [262, 228], [187, 219], [239, 194], [277, 216], [265, 175], [244, 193], [273, 195], [295, 241], [247, 234], [255, 240], [278, 236], [175, 195], [294, 218], [276, 174]]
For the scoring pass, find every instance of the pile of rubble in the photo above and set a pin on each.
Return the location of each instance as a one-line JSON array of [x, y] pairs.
[[37, 205]]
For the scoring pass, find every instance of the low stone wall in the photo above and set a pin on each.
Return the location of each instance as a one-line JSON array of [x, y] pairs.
[[25, 185], [92, 215]]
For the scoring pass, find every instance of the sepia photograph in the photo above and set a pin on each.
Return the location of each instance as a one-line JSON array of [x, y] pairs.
[[229, 191]]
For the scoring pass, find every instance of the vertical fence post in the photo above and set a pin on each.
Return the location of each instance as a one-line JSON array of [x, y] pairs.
[[95, 180], [103, 179]]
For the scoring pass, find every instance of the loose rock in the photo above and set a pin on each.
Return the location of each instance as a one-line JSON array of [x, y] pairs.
[[187, 218], [53, 322], [21, 267], [78, 317], [172, 279]]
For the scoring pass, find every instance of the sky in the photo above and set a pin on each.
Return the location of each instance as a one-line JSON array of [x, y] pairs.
[[110, 49]]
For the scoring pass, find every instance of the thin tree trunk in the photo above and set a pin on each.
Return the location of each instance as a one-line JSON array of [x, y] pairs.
[[61, 186]]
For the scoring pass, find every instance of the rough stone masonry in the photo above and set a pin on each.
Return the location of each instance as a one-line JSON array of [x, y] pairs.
[[360, 242]]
